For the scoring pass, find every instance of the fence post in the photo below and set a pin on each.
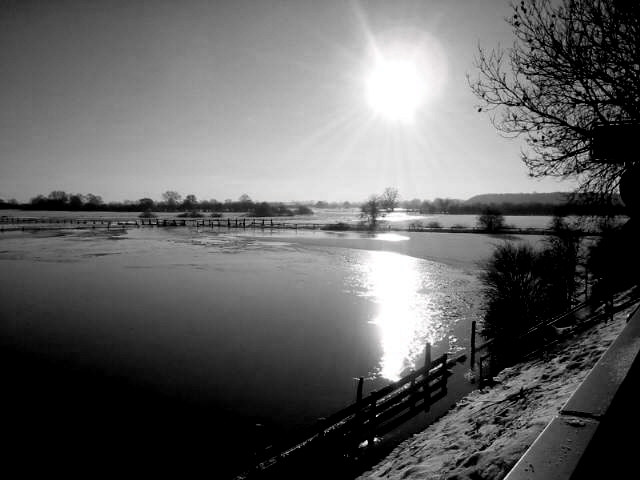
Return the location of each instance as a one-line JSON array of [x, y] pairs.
[[444, 372], [358, 417], [586, 282], [425, 383], [372, 426], [472, 356]]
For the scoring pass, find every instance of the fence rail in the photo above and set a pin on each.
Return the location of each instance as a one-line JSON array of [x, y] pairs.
[[543, 335], [369, 416], [40, 223]]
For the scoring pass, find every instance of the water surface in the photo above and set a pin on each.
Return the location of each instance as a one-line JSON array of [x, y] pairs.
[[237, 337]]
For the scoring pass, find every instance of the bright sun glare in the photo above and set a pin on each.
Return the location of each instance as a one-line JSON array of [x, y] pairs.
[[395, 89]]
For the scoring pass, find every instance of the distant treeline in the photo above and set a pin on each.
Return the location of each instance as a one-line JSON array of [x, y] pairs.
[[172, 201], [581, 205]]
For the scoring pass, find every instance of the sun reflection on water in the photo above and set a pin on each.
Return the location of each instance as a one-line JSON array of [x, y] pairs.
[[405, 315]]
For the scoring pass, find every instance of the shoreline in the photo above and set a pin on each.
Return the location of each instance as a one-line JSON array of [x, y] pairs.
[[485, 433]]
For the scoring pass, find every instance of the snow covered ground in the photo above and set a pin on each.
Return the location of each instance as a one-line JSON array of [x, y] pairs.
[[486, 433]]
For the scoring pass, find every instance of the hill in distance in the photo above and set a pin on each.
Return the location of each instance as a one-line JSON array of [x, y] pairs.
[[553, 198]]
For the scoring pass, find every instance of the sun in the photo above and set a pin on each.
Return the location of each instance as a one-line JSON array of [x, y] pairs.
[[394, 89]]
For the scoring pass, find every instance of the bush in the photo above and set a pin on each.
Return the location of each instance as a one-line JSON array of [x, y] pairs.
[[303, 210], [491, 220], [216, 215], [523, 286], [434, 225], [512, 289], [614, 260], [340, 226], [371, 211], [147, 214], [264, 209]]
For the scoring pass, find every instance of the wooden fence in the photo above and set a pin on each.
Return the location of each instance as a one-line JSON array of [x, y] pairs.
[[41, 223], [368, 417], [542, 336]]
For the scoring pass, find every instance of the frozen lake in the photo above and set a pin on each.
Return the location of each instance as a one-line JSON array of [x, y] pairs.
[[236, 337]]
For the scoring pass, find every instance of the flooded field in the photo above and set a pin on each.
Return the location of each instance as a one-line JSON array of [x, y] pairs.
[[223, 342]]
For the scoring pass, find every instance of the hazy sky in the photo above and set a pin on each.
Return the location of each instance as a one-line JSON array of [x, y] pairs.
[[127, 99]]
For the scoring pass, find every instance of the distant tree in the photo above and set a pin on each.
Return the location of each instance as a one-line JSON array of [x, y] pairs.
[[371, 211], [57, 200], [245, 203], [427, 207], [441, 205], [93, 202], [263, 209], [491, 220], [172, 199], [573, 64], [303, 210], [321, 204], [346, 204], [413, 204], [76, 201], [146, 204], [38, 201], [389, 199], [190, 202]]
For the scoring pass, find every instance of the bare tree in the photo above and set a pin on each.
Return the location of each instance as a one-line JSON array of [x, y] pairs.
[[389, 199], [190, 202], [491, 220], [371, 211], [574, 64], [172, 199]]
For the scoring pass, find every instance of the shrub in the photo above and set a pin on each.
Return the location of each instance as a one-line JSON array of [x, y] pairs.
[[264, 209], [614, 261], [371, 211], [303, 210], [512, 289], [523, 286], [434, 225], [216, 215], [147, 214], [491, 220], [340, 226]]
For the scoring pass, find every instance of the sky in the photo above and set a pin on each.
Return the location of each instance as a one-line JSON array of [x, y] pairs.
[[270, 98]]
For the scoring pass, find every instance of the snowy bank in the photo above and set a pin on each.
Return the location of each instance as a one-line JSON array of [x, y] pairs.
[[486, 433]]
